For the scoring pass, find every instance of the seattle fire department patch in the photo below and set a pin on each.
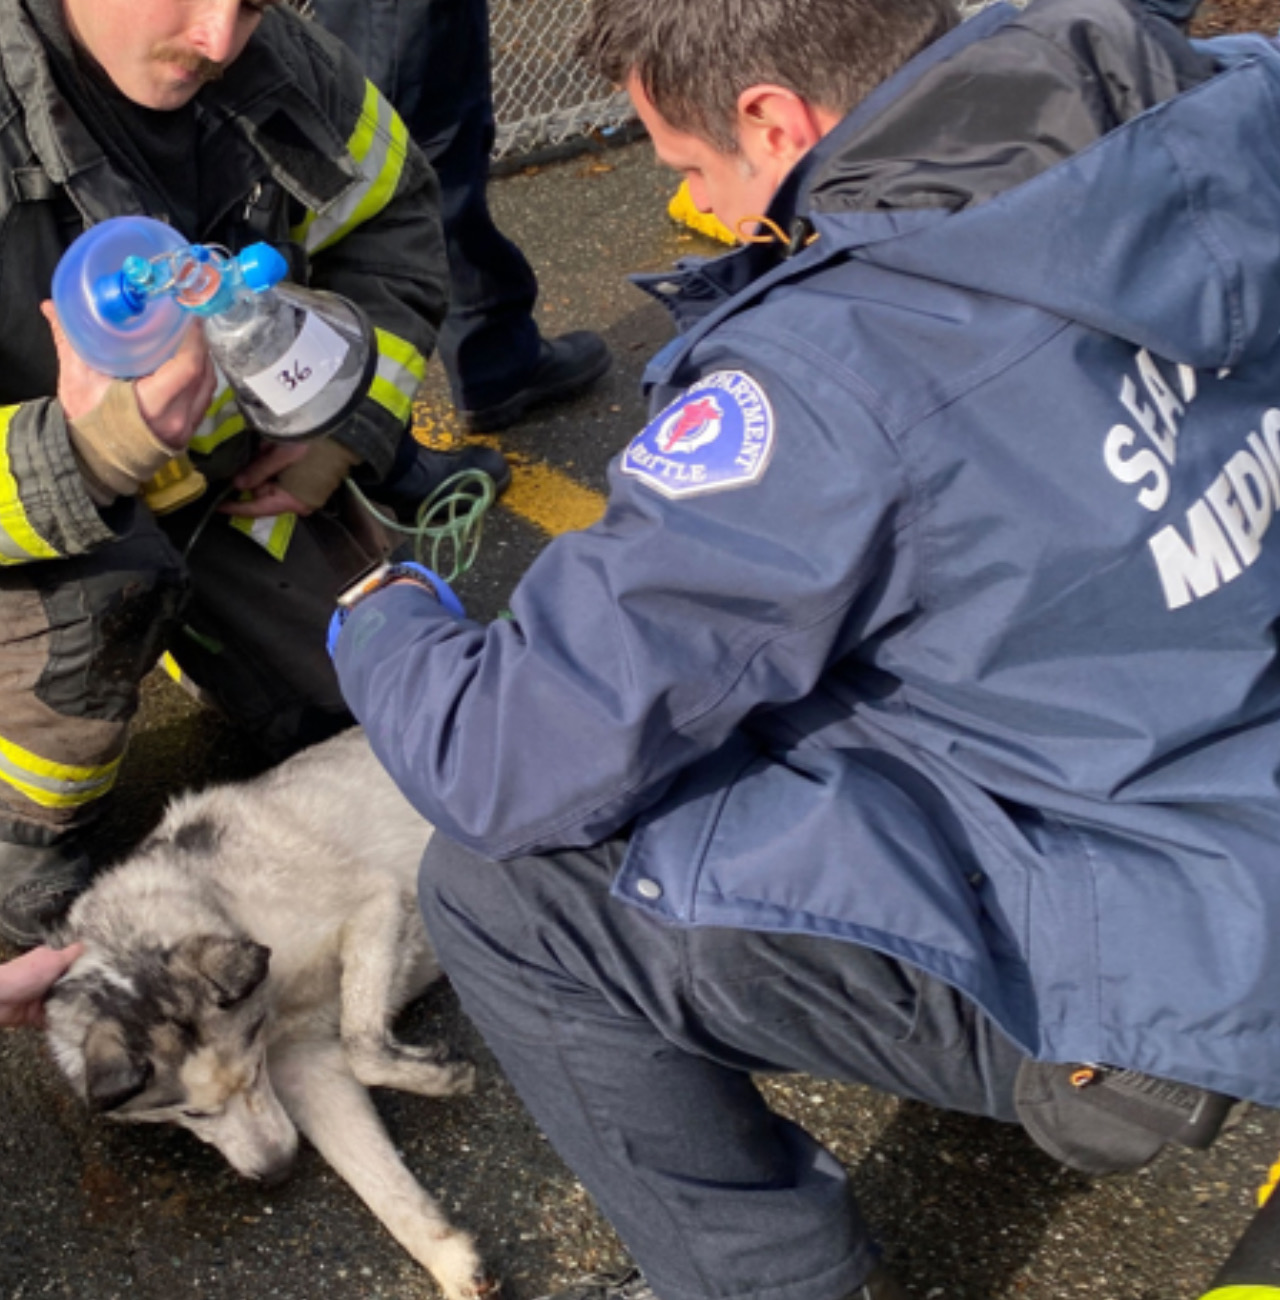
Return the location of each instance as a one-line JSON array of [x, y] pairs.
[[719, 435]]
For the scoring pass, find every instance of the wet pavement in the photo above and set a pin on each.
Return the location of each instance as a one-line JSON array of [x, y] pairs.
[[967, 1210]]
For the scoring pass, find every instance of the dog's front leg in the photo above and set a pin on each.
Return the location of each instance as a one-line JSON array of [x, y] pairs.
[[383, 947], [329, 1105]]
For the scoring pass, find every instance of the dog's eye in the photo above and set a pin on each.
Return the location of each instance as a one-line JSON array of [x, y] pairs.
[[197, 1114]]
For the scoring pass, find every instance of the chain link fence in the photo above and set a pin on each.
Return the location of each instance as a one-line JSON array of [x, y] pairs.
[[542, 95]]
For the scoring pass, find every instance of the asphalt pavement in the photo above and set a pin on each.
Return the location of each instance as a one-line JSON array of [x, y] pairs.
[[966, 1209]]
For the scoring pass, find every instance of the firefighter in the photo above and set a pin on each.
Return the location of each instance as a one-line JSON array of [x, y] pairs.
[[234, 121]]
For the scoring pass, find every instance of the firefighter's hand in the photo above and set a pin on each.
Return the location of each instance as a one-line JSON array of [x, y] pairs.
[[172, 400], [25, 981], [258, 479]]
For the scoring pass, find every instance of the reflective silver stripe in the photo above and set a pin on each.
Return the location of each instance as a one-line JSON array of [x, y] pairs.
[[54, 785], [399, 374], [272, 532], [221, 421], [379, 146]]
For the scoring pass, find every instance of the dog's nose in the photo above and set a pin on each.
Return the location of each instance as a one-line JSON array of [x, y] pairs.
[[277, 1174]]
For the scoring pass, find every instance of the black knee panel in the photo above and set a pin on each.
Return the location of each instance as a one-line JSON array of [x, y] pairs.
[[110, 614]]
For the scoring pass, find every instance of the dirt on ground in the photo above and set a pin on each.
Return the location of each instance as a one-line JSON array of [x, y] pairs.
[[1217, 17]]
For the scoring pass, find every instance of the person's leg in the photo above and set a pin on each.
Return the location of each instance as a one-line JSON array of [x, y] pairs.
[[633, 1045], [252, 637], [1176, 11], [419, 473], [76, 639], [436, 72], [489, 341]]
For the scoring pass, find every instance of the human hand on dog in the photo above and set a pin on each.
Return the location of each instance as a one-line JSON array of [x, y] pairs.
[[25, 981]]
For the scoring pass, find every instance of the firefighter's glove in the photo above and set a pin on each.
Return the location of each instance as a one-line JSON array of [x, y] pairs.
[[115, 448], [317, 476]]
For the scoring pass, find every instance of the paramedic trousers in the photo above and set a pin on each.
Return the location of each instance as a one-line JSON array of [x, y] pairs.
[[244, 617], [633, 1045], [431, 59]]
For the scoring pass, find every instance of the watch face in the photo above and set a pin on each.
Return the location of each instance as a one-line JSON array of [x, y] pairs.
[[370, 580]]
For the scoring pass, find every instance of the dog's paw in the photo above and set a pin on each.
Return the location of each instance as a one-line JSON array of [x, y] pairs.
[[458, 1269], [435, 1053], [456, 1078], [424, 1070], [445, 1074]]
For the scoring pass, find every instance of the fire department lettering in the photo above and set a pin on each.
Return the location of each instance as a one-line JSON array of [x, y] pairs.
[[719, 435]]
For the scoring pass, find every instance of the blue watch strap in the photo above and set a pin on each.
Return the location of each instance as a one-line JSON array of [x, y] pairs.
[[439, 589]]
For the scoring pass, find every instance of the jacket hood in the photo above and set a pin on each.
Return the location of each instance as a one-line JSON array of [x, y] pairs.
[[1078, 156]]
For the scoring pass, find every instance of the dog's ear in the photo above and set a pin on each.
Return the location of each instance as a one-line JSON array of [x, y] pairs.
[[235, 967], [112, 1074]]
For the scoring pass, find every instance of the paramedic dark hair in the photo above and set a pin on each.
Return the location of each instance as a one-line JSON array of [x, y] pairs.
[[695, 57]]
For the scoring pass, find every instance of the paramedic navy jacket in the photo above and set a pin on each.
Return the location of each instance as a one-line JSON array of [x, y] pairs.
[[936, 608]]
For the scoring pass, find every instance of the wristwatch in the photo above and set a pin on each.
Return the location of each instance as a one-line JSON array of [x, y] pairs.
[[383, 575]]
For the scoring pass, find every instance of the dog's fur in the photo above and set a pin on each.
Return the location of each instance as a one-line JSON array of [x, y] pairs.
[[241, 973]]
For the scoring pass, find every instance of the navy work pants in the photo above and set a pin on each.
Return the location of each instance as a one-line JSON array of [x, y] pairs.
[[633, 1044], [431, 60], [1176, 11]]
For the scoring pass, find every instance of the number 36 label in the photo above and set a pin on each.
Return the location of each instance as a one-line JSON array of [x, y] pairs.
[[293, 380]]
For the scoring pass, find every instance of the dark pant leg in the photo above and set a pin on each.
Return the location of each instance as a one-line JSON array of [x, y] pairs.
[[1176, 11], [253, 633], [436, 72], [633, 1045], [77, 637], [489, 343]]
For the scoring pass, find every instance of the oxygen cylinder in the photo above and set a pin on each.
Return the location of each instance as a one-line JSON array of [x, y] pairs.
[[300, 361]]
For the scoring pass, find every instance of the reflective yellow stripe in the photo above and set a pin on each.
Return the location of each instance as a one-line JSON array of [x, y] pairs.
[[221, 421], [1273, 1179], [299, 233], [272, 532], [399, 374], [19, 541], [204, 443], [1243, 1293], [53, 785], [378, 146]]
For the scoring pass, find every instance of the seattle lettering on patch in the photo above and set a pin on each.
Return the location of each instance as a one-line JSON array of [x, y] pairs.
[[719, 435]]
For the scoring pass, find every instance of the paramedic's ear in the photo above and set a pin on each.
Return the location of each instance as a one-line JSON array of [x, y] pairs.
[[776, 128]]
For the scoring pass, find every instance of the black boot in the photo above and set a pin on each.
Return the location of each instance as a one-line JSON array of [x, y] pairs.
[[630, 1285], [41, 874], [567, 365], [418, 471], [881, 1285]]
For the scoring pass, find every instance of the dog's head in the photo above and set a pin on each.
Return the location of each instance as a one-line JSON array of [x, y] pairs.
[[175, 1035]]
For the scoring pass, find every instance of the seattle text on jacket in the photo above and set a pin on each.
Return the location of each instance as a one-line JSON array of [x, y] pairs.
[[1223, 529]]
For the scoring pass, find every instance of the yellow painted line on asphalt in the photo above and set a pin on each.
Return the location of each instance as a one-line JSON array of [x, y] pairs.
[[550, 499], [542, 495]]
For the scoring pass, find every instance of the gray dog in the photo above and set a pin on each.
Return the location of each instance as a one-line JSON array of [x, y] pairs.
[[240, 976]]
